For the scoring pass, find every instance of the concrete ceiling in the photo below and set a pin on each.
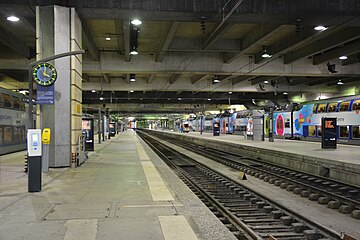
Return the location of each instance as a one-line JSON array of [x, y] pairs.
[[184, 45]]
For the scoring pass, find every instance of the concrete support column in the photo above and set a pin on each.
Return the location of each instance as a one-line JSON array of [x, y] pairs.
[[58, 30], [258, 126]]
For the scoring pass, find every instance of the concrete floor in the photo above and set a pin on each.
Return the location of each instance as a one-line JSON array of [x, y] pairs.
[[108, 197]]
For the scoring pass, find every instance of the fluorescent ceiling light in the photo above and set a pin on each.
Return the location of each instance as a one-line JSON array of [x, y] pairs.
[[131, 90], [93, 90], [108, 38], [209, 99], [266, 81], [285, 93], [343, 57], [320, 28], [266, 55], [101, 98], [134, 52], [340, 82], [230, 92], [13, 19], [132, 77], [179, 99], [136, 22]]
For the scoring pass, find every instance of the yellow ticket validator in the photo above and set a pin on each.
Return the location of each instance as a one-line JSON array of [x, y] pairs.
[[46, 136]]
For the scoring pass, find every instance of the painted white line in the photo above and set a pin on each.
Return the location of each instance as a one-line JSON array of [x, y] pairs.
[[150, 206], [176, 228], [158, 189], [81, 229]]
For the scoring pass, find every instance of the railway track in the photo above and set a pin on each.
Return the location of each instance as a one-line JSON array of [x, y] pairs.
[[247, 214], [336, 195]]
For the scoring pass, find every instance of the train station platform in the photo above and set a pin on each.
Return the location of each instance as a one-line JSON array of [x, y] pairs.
[[123, 191], [342, 164]]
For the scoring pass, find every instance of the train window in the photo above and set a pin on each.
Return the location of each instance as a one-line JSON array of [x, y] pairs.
[[332, 107], [314, 108], [17, 134], [8, 136], [1, 100], [1, 136], [8, 102], [344, 131], [355, 132], [287, 123], [321, 108], [312, 131], [356, 105], [344, 106], [319, 131], [16, 103]]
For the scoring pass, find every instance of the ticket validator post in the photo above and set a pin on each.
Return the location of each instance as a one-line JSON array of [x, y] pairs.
[[34, 149]]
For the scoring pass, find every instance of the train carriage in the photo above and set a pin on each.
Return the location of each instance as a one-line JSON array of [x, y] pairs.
[[13, 121], [306, 122]]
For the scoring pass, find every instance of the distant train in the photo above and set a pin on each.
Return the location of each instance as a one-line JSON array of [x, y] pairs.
[[13, 121], [305, 123], [302, 123], [240, 123]]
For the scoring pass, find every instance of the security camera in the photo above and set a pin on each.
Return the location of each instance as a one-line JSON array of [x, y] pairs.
[[331, 67]]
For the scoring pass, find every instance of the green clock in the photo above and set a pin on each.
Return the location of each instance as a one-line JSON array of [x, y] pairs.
[[44, 74]]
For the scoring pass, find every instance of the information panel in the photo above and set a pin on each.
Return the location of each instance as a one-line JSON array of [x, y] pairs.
[[328, 137], [88, 129]]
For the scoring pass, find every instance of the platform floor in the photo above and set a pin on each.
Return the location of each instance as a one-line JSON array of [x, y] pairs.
[[123, 191], [349, 154]]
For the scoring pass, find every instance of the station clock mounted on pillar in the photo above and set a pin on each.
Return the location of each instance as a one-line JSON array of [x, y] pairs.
[[44, 74]]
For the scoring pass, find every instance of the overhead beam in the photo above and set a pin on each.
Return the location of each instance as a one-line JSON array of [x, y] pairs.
[[150, 78], [126, 39], [240, 79], [345, 81], [214, 36], [89, 40], [354, 58], [106, 77], [193, 45], [16, 44], [335, 38], [348, 49], [174, 78], [166, 40], [322, 81], [198, 78], [292, 41], [259, 33]]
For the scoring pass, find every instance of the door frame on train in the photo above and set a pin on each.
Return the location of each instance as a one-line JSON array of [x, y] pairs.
[[216, 128]]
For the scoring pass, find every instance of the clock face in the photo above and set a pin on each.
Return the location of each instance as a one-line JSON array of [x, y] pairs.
[[44, 74]]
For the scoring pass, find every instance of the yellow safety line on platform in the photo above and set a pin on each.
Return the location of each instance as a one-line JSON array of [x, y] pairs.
[[176, 228], [158, 189], [81, 229]]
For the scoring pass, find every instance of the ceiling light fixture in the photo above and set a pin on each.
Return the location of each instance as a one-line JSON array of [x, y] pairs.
[[230, 92], [93, 90], [136, 22], [132, 78], [209, 99], [108, 37], [13, 19], [343, 57], [285, 93], [131, 91], [265, 54], [320, 28], [179, 99], [266, 81], [340, 82], [216, 79], [101, 98], [134, 51]]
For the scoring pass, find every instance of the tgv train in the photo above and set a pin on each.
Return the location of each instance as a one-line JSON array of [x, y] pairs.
[[13, 121], [305, 123]]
